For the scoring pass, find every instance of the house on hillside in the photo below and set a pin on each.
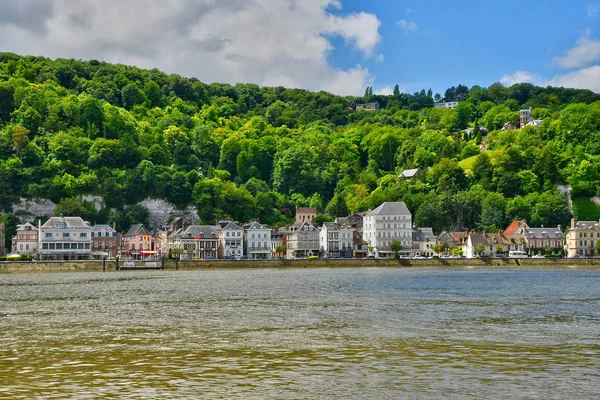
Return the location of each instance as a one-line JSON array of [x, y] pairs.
[[409, 173], [305, 214], [368, 106], [26, 239], [525, 117], [447, 104]]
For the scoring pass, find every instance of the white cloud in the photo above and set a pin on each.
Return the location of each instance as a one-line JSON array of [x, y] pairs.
[[518, 77], [385, 91], [408, 11], [407, 25], [269, 42], [584, 53], [585, 78]]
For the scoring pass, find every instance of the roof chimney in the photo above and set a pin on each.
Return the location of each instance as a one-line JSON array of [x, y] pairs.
[[560, 228], [572, 223]]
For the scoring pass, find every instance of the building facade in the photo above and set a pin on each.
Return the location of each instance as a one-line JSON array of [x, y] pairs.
[[336, 241], [231, 236], [388, 222], [368, 106], [448, 104], [257, 241], [302, 241], [583, 239], [105, 241], [65, 238], [26, 240], [138, 243], [305, 214], [423, 241], [198, 241]]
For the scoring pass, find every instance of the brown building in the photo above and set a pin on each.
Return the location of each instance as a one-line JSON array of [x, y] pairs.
[[105, 241]]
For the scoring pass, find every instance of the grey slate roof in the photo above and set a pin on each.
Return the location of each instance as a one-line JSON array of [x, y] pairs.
[[137, 229], [409, 173], [70, 222], [540, 233], [390, 208], [255, 225], [200, 231], [231, 227], [100, 228], [423, 234]]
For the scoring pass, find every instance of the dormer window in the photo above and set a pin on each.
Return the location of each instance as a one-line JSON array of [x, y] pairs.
[[60, 225]]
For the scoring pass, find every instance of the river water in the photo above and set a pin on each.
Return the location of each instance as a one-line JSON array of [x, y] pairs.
[[301, 334]]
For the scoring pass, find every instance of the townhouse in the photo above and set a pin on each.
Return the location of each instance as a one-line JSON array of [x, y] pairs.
[[65, 238], [257, 241], [388, 222]]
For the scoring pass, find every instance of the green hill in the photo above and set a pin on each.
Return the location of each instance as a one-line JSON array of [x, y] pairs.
[[70, 128]]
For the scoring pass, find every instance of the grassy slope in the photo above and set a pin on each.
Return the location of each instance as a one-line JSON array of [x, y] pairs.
[[467, 163], [585, 209]]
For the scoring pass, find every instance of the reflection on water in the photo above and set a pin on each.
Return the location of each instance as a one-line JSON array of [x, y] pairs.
[[342, 333]]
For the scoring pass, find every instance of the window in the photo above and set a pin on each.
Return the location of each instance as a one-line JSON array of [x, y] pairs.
[[47, 235], [226, 233], [21, 247], [253, 236], [83, 235]]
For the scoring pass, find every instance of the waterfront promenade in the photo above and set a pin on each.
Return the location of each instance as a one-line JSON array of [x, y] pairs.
[[49, 266]]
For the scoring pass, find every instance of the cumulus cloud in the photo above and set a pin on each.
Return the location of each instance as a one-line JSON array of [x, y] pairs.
[[518, 77], [269, 42], [385, 91], [585, 52], [585, 78], [407, 25]]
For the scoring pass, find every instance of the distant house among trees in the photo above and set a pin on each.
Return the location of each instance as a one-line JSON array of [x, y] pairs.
[[447, 104], [368, 106]]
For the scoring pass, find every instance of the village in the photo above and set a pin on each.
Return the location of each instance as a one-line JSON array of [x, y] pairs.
[[385, 232]]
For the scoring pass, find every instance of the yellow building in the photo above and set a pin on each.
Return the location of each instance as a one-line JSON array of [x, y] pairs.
[[583, 238]]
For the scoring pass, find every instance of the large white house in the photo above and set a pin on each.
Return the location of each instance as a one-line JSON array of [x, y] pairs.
[[231, 237], [389, 221], [65, 238], [257, 241]]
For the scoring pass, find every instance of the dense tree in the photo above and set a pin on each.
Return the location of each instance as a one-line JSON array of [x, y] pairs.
[[70, 128]]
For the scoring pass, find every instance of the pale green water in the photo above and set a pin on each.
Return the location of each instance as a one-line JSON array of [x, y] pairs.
[[272, 334]]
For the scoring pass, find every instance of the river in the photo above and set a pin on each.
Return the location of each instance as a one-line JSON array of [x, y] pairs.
[[365, 333]]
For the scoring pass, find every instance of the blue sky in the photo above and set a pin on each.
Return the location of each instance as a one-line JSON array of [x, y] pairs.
[[441, 44], [340, 46]]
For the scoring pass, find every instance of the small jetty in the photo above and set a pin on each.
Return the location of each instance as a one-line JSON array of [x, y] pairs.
[[133, 266]]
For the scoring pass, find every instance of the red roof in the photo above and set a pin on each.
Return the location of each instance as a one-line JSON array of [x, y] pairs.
[[512, 228]]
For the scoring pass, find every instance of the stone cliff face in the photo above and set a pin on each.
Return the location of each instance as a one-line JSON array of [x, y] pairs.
[[161, 211]]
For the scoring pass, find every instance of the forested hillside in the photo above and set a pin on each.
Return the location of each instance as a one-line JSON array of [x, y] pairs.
[[70, 128]]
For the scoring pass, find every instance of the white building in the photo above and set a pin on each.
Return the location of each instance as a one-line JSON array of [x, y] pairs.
[[336, 241], [197, 241], [423, 241], [448, 104], [26, 240], [257, 241], [65, 238], [390, 221], [231, 237], [302, 241]]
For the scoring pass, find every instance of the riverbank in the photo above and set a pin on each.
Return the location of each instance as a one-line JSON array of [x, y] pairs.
[[65, 266]]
